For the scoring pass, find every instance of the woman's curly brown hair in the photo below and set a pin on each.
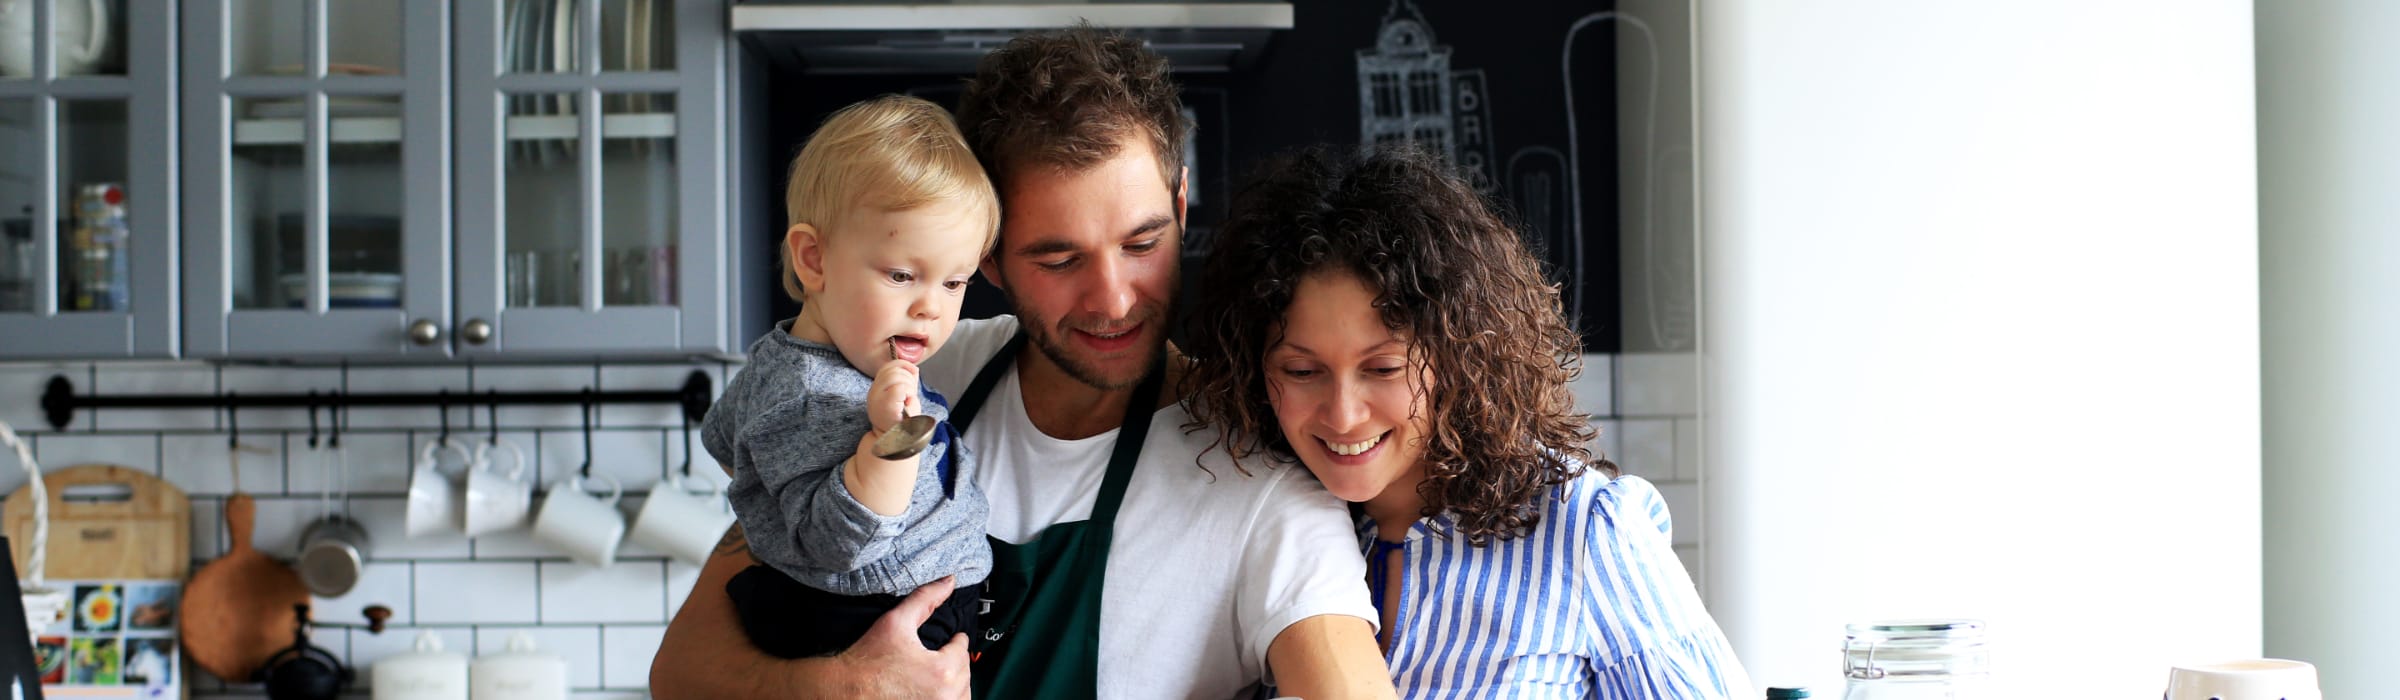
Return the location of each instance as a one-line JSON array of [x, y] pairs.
[[1487, 328]]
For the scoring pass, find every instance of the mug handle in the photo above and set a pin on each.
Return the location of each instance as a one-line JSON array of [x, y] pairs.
[[615, 490], [516, 468], [97, 43]]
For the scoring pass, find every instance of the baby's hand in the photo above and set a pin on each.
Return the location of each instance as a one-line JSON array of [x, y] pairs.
[[894, 395]]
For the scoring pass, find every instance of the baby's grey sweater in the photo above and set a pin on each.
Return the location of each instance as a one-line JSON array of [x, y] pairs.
[[786, 423]]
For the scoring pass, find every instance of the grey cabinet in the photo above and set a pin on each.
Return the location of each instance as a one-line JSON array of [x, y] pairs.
[[87, 193], [394, 180], [316, 178], [591, 196]]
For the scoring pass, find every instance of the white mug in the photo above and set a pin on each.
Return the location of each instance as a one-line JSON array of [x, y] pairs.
[[497, 498], [585, 526], [2249, 679], [79, 36], [683, 521], [434, 498]]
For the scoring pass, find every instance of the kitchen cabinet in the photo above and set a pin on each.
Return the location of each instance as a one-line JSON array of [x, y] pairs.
[[87, 108], [422, 180], [603, 147]]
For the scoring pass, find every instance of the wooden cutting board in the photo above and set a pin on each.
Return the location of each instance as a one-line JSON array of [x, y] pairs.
[[106, 522]]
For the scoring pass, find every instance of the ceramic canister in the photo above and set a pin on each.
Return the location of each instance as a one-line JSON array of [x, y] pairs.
[[424, 673], [520, 673]]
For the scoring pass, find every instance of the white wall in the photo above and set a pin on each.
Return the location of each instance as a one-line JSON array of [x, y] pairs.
[[2328, 98], [1980, 321]]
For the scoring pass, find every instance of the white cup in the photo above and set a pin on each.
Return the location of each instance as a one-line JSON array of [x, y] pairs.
[[2249, 679], [497, 498], [684, 518], [434, 498], [80, 36], [585, 526]]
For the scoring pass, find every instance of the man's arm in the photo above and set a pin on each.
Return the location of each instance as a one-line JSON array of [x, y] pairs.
[[705, 655], [1329, 656]]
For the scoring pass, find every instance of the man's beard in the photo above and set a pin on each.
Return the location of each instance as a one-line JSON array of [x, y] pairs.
[[1051, 340]]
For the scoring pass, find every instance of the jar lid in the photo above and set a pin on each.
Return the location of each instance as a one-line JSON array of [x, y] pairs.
[[1932, 630]]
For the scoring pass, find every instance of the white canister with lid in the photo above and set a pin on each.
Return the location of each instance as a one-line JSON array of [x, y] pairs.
[[424, 673], [519, 673]]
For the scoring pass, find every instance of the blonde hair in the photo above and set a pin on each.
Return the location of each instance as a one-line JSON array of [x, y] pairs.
[[892, 153]]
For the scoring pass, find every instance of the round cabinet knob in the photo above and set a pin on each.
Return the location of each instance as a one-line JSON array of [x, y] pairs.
[[424, 332], [476, 332]]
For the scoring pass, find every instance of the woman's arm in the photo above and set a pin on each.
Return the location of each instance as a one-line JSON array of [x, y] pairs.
[[1329, 656], [705, 655]]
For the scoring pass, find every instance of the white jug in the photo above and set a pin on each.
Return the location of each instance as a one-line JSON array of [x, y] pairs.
[[79, 35]]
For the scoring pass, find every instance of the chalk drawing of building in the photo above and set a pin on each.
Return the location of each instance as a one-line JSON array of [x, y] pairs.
[[1404, 84]]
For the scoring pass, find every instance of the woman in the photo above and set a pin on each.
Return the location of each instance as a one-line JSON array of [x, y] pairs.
[[1368, 316]]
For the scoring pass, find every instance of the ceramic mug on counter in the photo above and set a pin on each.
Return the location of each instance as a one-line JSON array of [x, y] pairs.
[[497, 498], [683, 518], [435, 500], [584, 526], [2250, 679]]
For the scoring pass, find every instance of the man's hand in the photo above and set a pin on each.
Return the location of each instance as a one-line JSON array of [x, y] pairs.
[[893, 395], [892, 663]]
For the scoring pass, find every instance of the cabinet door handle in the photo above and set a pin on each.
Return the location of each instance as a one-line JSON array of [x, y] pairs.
[[424, 332], [476, 331]]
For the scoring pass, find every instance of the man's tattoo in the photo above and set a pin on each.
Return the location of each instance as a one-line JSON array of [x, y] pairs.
[[733, 543]]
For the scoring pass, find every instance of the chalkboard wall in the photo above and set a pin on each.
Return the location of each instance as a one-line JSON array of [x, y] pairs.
[[1522, 96]]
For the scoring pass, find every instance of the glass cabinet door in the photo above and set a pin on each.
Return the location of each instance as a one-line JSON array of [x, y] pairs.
[[586, 219], [86, 207], [315, 170]]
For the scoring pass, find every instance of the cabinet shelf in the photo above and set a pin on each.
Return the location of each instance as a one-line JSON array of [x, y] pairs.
[[280, 132]]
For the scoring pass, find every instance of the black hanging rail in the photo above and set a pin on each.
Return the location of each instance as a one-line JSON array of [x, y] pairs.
[[59, 401]]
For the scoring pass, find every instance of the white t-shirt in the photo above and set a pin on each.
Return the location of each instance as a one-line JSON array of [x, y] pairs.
[[1205, 570]]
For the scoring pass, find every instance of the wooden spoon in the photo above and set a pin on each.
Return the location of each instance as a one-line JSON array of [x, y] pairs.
[[238, 610]]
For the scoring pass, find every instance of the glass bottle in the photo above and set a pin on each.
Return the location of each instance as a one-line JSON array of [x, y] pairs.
[[98, 250], [1917, 660]]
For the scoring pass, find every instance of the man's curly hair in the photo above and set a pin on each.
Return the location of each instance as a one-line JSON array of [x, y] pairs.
[[1486, 327], [1067, 99]]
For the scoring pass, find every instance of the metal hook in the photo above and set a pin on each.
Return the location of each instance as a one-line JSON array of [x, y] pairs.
[[312, 419], [337, 413], [493, 410], [687, 443], [444, 406], [233, 423], [587, 432]]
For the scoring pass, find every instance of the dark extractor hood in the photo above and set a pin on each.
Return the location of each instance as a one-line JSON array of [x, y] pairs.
[[945, 38]]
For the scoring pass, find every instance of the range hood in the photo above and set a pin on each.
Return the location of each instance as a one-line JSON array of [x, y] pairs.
[[935, 38]]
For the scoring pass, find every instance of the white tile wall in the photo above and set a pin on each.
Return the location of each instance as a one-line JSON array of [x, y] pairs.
[[606, 622], [478, 592]]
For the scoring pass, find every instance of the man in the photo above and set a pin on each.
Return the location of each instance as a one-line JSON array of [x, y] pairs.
[[1125, 563]]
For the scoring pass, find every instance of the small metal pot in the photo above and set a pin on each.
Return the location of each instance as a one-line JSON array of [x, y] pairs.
[[333, 553]]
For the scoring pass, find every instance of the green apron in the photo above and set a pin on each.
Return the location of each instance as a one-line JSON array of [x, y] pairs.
[[1042, 626]]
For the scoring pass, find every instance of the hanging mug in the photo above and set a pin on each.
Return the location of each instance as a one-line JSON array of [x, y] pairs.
[[497, 498], [585, 526], [434, 498], [684, 518]]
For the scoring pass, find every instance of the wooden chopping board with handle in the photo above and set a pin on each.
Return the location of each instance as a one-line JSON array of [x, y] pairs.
[[106, 522], [239, 611]]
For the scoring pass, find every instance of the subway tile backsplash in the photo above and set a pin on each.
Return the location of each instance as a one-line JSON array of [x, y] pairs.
[[474, 593]]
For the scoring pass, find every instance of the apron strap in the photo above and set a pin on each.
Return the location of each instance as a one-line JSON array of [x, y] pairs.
[[1131, 433], [971, 402]]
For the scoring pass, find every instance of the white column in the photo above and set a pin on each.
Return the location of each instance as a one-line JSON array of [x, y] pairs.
[[2329, 252], [1980, 327]]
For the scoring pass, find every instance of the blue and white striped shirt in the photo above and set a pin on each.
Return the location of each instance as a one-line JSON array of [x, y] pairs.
[[1592, 603]]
